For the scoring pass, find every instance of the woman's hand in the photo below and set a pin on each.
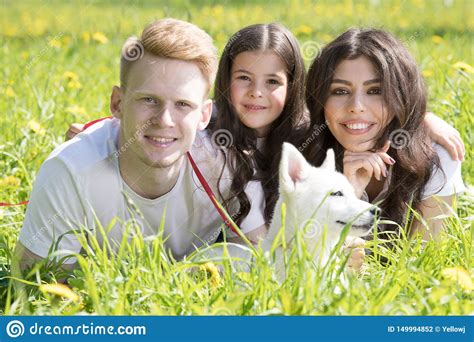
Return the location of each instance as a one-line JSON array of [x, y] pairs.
[[354, 246], [74, 130], [360, 167], [445, 135]]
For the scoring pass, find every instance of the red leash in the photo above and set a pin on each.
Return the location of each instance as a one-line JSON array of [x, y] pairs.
[[211, 195], [4, 204]]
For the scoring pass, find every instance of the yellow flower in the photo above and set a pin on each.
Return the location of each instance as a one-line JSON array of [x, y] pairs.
[[217, 11], [56, 43], [303, 30], [213, 273], [427, 73], [66, 40], [86, 37], [100, 38], [437, 39], [326, 38], [10, 31], [76, 110], [74, 84], [70, 75], [9, 181], [464, 67], [460, 276], [9, 92], [60, 290], [34, 126]]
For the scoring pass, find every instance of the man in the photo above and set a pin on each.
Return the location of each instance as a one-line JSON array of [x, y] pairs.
[[134, 167]]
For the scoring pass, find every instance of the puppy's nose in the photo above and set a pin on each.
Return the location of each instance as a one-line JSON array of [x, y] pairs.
[[375, 211]]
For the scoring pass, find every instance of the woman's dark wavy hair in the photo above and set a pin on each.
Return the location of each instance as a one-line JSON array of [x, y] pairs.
[[244, 157], [404, 96]]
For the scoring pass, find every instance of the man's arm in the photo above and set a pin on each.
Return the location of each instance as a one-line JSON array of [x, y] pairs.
[[54, 205]]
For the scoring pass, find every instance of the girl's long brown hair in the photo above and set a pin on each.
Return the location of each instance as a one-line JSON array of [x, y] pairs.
[[244, 157], [404, 96]]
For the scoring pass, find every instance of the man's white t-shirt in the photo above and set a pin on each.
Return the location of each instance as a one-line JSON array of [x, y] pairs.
[[80, 184]]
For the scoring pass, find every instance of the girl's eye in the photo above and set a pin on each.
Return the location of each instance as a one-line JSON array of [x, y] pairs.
[[375, 91], [340, 91], [273, 82], [243, 78]]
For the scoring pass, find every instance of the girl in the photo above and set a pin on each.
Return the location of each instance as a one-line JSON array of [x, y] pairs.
[[366, 89], [259, 97]]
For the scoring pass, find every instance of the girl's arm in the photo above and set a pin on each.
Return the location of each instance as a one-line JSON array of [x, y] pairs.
[[431, 209], [445, 135], [74, 130]]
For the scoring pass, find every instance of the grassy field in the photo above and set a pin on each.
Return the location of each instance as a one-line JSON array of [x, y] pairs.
[[59, 62]]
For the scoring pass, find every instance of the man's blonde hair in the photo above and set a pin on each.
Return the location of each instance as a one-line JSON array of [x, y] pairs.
[[175, 39]]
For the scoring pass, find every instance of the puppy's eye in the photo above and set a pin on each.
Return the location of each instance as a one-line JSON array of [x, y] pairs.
[[337, 193]]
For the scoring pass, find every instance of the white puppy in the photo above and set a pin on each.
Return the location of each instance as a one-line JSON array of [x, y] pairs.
[[319, 201]]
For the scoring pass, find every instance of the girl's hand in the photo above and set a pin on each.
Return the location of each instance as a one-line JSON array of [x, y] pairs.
[[445, 135], [360, 167], [74, 130]]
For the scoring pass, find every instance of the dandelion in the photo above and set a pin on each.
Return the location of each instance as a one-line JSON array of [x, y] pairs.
[[437, 39], [99, 37], [326, 38], [86, 37], [217, 11], [458, 275], [60, 290], [427, 73], [76, 110], [9, 92], [74, 84], [10, 31], [35, 127], [303, 30], [70, 75], [213, 273], [56, 43], [464, 67], [66, 40], [9, 181]]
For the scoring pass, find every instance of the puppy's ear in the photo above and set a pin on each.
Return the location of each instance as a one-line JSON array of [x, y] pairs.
[[293, 168], [330, 162]]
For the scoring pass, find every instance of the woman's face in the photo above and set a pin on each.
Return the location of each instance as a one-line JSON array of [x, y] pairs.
[[354, 110]]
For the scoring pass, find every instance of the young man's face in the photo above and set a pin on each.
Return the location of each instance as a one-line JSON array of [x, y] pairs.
[[162, 106]]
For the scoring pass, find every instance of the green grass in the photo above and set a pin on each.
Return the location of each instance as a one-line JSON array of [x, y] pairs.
[[56, 71]]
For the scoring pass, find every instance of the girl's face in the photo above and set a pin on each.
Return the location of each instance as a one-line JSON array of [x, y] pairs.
[[354, 109], [258, 89]]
